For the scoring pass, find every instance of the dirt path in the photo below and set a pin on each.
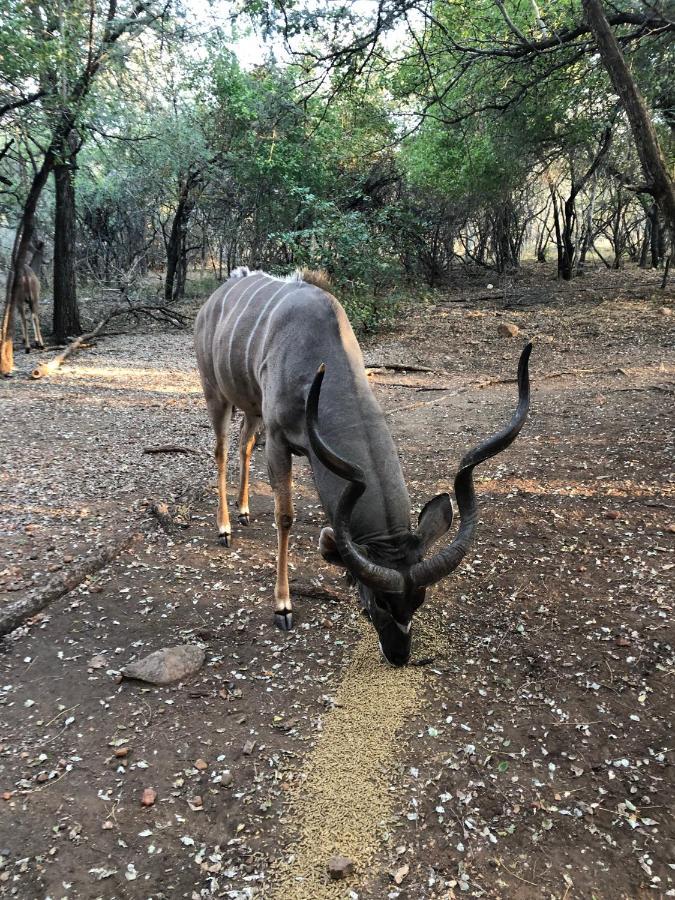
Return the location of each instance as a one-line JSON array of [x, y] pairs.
[[533, 756]]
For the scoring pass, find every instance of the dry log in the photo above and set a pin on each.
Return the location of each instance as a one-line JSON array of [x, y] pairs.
[[79, 343], [50, 367], [15, 614], [169, 448]]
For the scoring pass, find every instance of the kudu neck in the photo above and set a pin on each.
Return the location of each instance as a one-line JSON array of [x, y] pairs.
[[353, 425]]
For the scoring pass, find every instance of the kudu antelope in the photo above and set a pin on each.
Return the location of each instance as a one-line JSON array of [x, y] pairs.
[[29, 297], [284, 353]]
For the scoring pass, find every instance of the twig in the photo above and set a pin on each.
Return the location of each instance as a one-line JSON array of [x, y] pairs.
[[15, 614], [62, 713], [513, 874]]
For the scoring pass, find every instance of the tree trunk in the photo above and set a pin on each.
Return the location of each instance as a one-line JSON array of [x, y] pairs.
[[176, 264], [569, 219], [558, 235], [646, 241], [66, 312], [654, 236], [646, 141]]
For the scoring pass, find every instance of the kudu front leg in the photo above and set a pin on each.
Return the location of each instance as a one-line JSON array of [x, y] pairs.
[[280, 470]]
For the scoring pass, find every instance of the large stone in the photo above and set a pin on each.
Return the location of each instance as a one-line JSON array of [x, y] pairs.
[[508, 329], [167, 665]]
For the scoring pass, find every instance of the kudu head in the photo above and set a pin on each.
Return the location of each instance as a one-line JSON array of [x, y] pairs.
[[392, 579]]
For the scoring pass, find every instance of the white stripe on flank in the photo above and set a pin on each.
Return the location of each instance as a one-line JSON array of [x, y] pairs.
[[269, 318], [229, 311], [225, 311], [258, 321], [234, 327]]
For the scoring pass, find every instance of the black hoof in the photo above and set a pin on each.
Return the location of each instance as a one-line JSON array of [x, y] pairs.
[[27, 349], [283, 620], [225, 540], [244, 519]]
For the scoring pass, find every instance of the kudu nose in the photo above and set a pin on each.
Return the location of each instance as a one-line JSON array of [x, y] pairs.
[[398, 659]]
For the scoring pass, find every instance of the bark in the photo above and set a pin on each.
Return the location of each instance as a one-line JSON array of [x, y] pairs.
[[66, 312], [646, 141]]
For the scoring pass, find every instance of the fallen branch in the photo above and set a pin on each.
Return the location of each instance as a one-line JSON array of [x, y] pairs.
[[399, 367], [48, 368], [170, 449], [15, 614]]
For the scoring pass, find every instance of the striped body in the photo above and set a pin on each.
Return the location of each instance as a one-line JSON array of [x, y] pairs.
[[259, 341]]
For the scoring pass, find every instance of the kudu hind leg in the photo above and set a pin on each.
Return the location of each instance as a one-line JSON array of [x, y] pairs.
[[35, 317], [36, 329], [221, 414], [249, 427], [280, 470], [24, 328]]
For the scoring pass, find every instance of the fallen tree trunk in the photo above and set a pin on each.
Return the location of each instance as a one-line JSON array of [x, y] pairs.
[[79, 343], [15, 614]]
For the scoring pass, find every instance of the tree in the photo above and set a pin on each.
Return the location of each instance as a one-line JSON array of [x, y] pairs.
[[659, 180], [100, 33]]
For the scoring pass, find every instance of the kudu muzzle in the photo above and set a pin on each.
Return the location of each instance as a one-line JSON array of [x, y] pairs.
[[392, 595]]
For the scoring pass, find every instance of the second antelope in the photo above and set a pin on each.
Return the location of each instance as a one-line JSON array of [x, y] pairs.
[[29, 297], [284, 353]]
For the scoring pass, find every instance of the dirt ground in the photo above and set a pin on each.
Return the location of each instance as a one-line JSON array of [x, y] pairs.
[[530, 756]]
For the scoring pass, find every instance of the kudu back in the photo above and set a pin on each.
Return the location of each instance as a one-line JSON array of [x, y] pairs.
[[283, 352]]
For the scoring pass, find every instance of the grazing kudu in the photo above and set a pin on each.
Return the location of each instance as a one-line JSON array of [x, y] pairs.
[[29, 296], [284, 353]]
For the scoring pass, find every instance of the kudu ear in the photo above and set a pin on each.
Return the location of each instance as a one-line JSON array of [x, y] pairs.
[[434, 520], [328, 548]]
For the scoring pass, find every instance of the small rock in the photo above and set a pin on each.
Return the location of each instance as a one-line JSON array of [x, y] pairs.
[[167, 665], [612, 514], [622, 641], [121, 752], [400, 874], [7, 795], [196, 803], [666, 311], [671, 529], [42, 777], [248, 748], [507, 329], [201, 764], [340, 867], [98, 662], [149, 797], [226, 778]]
